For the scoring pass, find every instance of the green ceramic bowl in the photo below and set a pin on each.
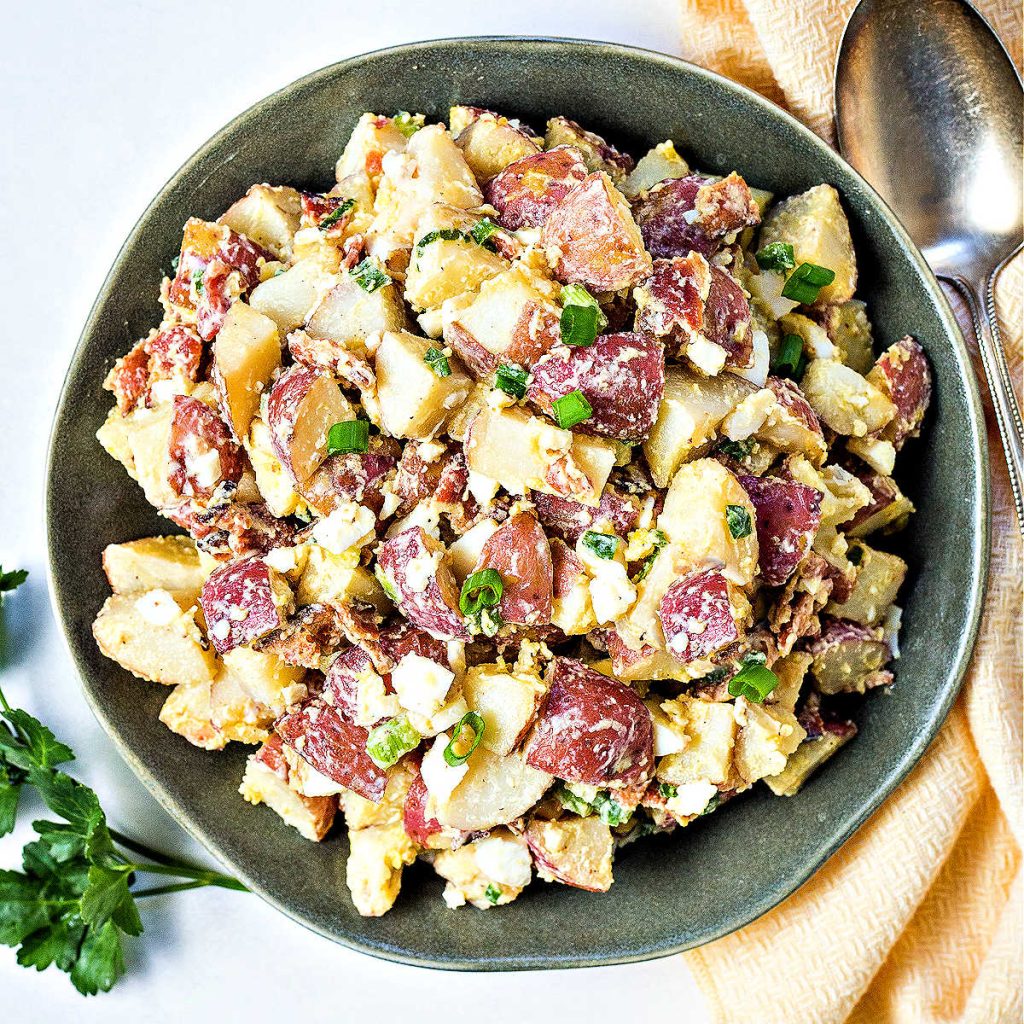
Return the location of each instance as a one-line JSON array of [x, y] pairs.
[[671, 892]]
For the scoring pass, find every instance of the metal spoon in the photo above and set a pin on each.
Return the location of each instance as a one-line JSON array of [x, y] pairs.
[[929, 109]]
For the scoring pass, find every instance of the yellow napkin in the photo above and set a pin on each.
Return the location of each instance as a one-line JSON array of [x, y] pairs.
[[918, 918]]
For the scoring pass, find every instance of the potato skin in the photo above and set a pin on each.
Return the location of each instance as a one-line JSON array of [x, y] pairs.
[[696, 615], [243, 601], [788, 517], [574, 851], [520, 553], [526, 191]]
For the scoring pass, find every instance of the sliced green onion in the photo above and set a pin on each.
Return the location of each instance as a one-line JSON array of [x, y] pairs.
[[738, 519], [440, 235], [438, 362], [482, 589], [336, 214], [197, 282], [754, 679], [582, 318], [493, 894], [348, 436], [571, 409], [790, 360], [388, 741], [570, 801], [369, 276], [610, 811], [408, 124], [511, 380], [486, 621], [604, 545], [385, 583], [806, 281], [667, 790], [659, 540], [470, 720], [738, 450], [481, 233], [712, 804], [776, 256]]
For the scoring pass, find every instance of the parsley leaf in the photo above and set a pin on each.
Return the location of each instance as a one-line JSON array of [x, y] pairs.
[[11, 581]]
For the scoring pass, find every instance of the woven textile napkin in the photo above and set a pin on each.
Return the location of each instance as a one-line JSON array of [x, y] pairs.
[[917, 920]]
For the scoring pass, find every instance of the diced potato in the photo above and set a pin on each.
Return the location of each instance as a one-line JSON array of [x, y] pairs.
[[817, 344], [148, 440], [374, 869], [274, 482], [849, 329], [465, 551], [289, 297], [490, 143], [150, 636], [266, 679], [491, 871], [691, 410], [888, 509], [879, 578], [246, 352], [875, 452], [113, 436], [167, 563], [414, 400], [506, 700], [816, 226], [655, 165], [696, 517], [791, 671], [598, 154], [710, 731], [348, 315], [329, 578], [372, 137], [574, 851], [233, 711], [524, 452], [768, 734], [269, 216], [844, 400], [805, 760], [188, 713]]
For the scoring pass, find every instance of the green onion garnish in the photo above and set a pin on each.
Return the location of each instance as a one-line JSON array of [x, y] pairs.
[[336, 214], [408, 124], [481, 233], [582, 318], [569, 800], [472, 721], [482, 589], [712, 804], [388, 741], [738, 450], [571, 409], [348, 436], [738, 519], [438, 362], [493, 894], [486, 621], [754, 679], [385, 583], [441, 235], [659, 540], [511, 380], [604, 545], [790, 361], [369, 276], [776, 256], [806, 281], [197, 282], [667, 790], [610, 811]]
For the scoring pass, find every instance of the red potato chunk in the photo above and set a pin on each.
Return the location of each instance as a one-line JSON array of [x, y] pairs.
[[303, 406], [566, 569], [622, 376], [788, 517], [525, 192], [351, 476], [593, 730], [423, 583], [519, 551], [687, 299], [203, 454], [574, 851], [793, 425], [888, 508], [334, 747], [598, 154], [848, 657], [694, 214], [215, 266], [129, 379], [903, 375], [418, 827], [402, 638], [243, 601], [165, 355], [593, 239], [568, 519], [697, 616], [342, 682]]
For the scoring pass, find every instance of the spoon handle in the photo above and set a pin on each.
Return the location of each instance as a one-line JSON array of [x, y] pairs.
[[1000, 386]]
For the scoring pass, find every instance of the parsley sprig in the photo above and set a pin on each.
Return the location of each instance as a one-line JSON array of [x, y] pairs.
[[75, 897]]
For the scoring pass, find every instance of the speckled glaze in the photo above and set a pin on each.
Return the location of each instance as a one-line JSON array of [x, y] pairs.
[[671, 892]]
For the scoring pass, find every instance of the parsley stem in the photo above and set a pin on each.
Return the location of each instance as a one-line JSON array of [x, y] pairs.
[[184, 871], [3, 701], [146, 851], [160, 890]]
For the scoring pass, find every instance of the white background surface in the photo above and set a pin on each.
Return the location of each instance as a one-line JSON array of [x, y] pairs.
[[99, 104]]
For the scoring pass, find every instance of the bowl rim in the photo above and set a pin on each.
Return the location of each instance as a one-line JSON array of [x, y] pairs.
[[61, 602]]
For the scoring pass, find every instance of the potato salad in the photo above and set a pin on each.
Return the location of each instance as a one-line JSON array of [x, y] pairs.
[[531, 500]]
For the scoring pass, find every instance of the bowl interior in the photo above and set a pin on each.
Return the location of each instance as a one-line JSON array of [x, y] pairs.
[[671, 892]]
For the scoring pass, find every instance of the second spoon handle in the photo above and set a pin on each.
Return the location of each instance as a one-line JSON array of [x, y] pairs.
[[1000, 386]]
